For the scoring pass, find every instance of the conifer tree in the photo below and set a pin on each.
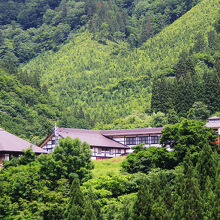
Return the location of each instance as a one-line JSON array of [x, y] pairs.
[[75, 208], [184, 65], [92, 207], [212, 91], [143, 204], [184, 94], [207, 165], [188, 194], [155, 100], [200, 43], [172, 117]]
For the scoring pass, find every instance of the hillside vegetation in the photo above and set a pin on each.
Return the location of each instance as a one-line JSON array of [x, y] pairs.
[[155, 183], [101, 82], [30, 27], [107, 167], [24, 110]]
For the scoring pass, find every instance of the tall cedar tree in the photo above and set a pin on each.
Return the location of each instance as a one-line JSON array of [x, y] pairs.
[[187, 194], [75, 208], [212, 91]]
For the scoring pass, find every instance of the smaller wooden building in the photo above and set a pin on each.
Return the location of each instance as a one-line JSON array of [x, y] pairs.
[[214, 123], [11, 145]]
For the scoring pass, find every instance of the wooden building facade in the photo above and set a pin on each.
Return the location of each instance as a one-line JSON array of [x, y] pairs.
[[105, 143], [11, 145]]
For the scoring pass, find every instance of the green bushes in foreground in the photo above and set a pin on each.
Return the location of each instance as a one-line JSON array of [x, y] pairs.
[[49, 187]]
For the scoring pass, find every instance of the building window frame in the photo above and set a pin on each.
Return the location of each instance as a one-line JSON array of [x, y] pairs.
[[7, 157], [154, 139], [144, 139], [130, 141]]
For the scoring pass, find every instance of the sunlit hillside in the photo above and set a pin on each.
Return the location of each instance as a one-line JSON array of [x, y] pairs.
[[107, 167], [110, 81]]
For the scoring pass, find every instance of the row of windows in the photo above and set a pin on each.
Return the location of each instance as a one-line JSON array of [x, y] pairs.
[[144, 139], [108, 150]]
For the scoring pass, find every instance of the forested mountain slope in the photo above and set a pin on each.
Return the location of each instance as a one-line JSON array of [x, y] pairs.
[[24, 110], [30, 27], [102, 82]]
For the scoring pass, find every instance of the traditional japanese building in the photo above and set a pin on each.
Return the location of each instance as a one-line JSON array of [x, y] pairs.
[[105, 143], [132, 137], [214, 123], [11, 145]]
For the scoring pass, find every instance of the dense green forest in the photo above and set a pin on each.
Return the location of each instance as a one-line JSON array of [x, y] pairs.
[[103, 65], [118, 64], [105, 82], [25, 107], [154, 183], [28, 28]]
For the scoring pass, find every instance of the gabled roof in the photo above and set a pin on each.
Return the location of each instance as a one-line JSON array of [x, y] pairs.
[[214, 122], [92, 137], [127, 132], [213, 118], [12, 143]]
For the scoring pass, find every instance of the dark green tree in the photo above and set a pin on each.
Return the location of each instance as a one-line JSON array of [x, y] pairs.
[[172, 117], [92, 207], [75, 208], [200, 44], [149, 158], [189, 203], [187, 136], [211, 91], [198, 111]]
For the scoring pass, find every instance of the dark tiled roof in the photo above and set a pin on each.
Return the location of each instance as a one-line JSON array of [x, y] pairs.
[[214, 118], [138, 131], [92, 137], [213, 124], [12, 143]]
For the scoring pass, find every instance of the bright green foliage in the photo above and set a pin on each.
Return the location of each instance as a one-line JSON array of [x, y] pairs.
[[198, 111], [24, 110], [191, 190], [71, 157], [38, 190], [108, 167], [27, 157], [146, 159], [187, 136], [28, 28], [26, 196], [188, 192], [117, 78]]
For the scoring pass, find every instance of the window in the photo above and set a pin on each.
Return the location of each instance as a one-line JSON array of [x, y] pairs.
[[110, 151], [118, 151], [144, 139], [155, 139], [99, 150], [130, 141], [53, 142], [7, 158], [49, 150]]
